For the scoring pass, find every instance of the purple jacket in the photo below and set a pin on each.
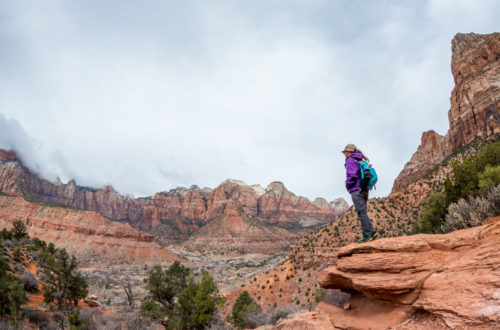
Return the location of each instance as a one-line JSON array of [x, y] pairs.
[[353, 180]]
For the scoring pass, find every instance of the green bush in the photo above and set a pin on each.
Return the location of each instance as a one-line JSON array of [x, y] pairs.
[[5, 234], [472, 212], [174, 294], [489, 178], [12, 294], [242, 309], [433, 212], [474, 177]]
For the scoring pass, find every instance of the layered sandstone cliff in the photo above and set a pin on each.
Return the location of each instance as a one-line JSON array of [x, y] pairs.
[[475, 104], [172, 215], [88, 235]]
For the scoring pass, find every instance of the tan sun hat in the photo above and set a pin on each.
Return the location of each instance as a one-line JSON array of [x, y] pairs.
[[350, 147]]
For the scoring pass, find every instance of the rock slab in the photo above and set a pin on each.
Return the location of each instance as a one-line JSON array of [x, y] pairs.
[[455, 276]]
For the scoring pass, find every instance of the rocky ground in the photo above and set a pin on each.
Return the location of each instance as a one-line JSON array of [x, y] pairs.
[[454, 276], [231, 271], [107, 283]]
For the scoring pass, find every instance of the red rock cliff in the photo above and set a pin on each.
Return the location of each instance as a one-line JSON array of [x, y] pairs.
[[182, 210], [88, 235], [475, 104]]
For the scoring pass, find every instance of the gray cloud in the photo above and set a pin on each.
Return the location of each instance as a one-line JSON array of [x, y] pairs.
[[154, 95]]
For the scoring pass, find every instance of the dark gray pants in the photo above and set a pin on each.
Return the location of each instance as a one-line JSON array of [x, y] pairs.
[[359, 199]]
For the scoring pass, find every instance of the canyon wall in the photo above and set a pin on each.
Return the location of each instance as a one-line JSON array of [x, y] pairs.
[[475, 104], [183, 211], [88, 235]]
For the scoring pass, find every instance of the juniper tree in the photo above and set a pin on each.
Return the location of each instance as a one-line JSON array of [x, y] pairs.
[[64, 286], [19, 230], [12, 294], [174, 294]]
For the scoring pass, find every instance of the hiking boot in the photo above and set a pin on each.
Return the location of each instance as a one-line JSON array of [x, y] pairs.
[[373, 236], [362, 239]]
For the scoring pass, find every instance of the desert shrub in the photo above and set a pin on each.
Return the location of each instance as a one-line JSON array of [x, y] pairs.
[[243, 308], [6, 324], [281, 313], [30, 282], [256, 319], [319, 294], [39, 243], [475, 176], [472, 212], [17, 254], [218, 323], [87, 315], [335, 297], [45, 259], [60, 319], [95, 320], [493, 199], [133, 320], [34, 317], [74, 319], [260, 318], [48, 326]]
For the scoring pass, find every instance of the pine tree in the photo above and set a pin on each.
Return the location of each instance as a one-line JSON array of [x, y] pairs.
[[64, 286], [174, 294], [19, 230], [12, 294]]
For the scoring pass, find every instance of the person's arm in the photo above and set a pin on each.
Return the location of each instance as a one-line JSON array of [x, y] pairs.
[[352, 170]]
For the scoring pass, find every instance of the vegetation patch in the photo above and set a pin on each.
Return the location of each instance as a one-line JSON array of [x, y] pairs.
[[474, 179]]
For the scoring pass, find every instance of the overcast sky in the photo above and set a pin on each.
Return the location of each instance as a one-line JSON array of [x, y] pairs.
[[150, 95]]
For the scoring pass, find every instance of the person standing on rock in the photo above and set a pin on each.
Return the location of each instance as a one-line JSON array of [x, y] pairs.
[[359, 196]]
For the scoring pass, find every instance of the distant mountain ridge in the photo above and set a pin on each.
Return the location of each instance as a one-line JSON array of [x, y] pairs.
[[174, 215]]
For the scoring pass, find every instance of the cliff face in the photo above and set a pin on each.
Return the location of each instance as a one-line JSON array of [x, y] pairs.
[[475, 104], [453, 276], [432, 150], [183, 211], [88, 235]]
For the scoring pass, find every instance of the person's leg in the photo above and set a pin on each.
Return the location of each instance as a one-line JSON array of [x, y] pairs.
[[364, 194], [359, 200]]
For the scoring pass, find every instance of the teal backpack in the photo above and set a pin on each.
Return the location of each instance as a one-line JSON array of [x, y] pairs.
[[368, 176]]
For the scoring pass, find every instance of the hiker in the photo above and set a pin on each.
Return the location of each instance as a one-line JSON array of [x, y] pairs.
[[359, 196]]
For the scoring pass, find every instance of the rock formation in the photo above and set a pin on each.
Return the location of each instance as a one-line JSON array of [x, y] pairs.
[[453, 276], [432, 150], [475, 104], [88, 235], [236, 230], [174, 215]]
